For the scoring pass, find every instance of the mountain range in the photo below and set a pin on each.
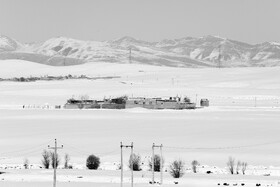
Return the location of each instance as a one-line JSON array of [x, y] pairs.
[[206, 51]]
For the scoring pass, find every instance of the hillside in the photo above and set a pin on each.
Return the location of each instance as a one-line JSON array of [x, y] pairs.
[[207, 51]]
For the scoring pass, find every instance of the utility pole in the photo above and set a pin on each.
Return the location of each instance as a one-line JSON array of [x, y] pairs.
[[219, 57], [131, 162], [161, 166], [55, 159], [153, 162], [121, 165]]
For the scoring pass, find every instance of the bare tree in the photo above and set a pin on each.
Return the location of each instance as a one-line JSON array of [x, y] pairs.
[[135, 162], [46, 159], [157, 163], [243, 167], [26, 163], [66, 161], [230, 165], [238, 165], [55, 159], [195, 163], [177, 168]]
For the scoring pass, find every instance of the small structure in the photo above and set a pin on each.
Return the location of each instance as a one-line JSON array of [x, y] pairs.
[[125, 102], [81, 104], [57, 107], [204, 102], [159, 103], [116, 103]]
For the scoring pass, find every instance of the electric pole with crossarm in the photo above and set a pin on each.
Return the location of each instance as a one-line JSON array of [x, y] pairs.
[[131, 164], [55, 160], [153, 163]]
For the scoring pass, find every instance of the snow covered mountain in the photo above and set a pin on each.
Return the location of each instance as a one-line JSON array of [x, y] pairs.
[[8, 44], [207, 51]]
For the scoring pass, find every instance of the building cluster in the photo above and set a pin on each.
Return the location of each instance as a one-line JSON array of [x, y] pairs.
[[176, 103]]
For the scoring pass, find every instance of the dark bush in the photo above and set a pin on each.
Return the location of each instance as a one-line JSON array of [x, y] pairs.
[[195, 163], [66, 161], [93, 162], [135, 162]]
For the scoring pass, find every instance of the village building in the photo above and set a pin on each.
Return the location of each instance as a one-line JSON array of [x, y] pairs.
[[175, 103]]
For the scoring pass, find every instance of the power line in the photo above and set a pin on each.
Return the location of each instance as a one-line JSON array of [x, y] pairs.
[[31, 152], [228, 147], [25, 149], [73, 148], [78, 150], [109, 153], [28, 153]]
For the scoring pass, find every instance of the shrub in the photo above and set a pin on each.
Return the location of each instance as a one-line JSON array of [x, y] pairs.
[[66, 161], [22, 79], [177, 168], [93, 162], [135, 162], [195, 163], [26, 163], [46, 159], [55, 158], [157, 160]]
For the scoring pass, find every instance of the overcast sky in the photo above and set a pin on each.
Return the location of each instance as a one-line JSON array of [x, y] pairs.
[[251, 21]]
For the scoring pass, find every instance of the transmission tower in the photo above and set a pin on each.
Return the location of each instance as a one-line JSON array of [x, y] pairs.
[[219, 57], [129, 55]]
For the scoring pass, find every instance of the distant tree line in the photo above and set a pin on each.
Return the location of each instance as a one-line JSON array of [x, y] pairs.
[[50, 78]]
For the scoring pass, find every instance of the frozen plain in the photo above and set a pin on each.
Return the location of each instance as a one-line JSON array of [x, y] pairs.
[[243, 120]]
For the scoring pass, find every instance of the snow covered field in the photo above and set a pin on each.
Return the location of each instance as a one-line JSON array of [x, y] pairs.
[[224, 87], [242, 121], [85, 178]]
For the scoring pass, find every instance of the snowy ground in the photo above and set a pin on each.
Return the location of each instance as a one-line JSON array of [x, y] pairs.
[[85, 178], [242, 122], [220, 132], [224, 87]]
